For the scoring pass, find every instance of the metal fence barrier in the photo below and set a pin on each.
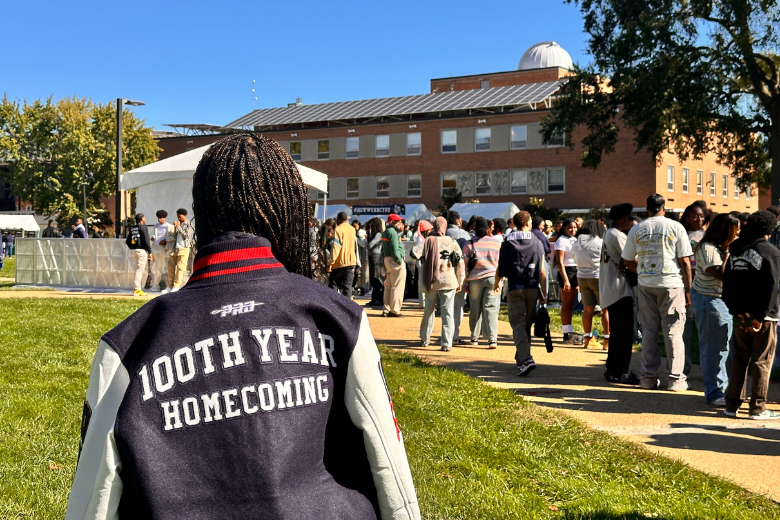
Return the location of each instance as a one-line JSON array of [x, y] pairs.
[[90, 262]]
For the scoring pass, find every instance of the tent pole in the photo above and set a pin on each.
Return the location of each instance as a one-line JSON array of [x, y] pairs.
[[325, 207]]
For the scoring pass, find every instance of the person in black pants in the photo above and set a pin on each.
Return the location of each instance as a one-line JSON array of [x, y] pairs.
[[617, 297], [374, 246]]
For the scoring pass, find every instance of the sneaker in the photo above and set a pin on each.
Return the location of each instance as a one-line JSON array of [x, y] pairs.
[[474, 342], [138, 292], [573, 339], [605, 343], [525, 367], [592, 343], [165, 291], [154, 289], [394, 315], [174, 289], [649, 385], [677, 386], [446, 349], [623, 379], [720, 401], [766, 415], [385, 314], [423, 344], [729, 413], [460, 341], [492, 346]]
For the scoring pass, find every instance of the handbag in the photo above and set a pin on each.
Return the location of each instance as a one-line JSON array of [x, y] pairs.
[[541, 322], [472, 259]]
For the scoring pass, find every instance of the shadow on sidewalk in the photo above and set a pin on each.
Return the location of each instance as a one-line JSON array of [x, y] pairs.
[[742, 441]]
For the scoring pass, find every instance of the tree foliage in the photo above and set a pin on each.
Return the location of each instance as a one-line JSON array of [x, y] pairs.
[[52, 148], [690, 76]]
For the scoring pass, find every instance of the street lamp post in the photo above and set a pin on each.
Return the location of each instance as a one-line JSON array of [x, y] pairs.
[[119, 106]]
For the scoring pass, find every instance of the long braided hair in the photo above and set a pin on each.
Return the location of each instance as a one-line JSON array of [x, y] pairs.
[[247, 182]]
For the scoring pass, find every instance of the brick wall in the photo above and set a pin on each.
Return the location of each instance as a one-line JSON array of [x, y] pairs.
[[498, 79]]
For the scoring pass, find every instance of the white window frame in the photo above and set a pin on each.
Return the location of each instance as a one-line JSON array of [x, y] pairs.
[[563, 143], [713, 180], [300, 150], [441, 141], [347, 150], [669, 178], [548, 180], [419, 147], [356, 193], [409, 190], [321, 155], [477, 131], [483, 174], [685, 179], [725, 188], [441, 182], [747, 192], [512, 173], [736, 189], [376, 187], [512, 145], [699, 182], [385, 150]]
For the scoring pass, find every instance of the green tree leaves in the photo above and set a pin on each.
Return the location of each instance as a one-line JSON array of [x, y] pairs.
[[52, 148], [691, 76]]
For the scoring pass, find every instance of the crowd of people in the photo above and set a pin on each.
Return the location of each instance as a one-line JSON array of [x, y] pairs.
[[667, 275]]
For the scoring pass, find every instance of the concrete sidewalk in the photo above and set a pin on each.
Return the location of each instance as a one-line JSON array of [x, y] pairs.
[[678, 425]]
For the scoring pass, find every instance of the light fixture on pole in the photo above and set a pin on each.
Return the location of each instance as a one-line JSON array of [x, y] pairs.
[[119, 106]]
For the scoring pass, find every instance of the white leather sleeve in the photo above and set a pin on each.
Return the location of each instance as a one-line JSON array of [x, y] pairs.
[[369, 405], [97, 487]]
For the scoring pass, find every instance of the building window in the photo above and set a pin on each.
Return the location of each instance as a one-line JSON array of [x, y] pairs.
[[482, 139], [685, 180], [699, 180], [555, 142], [736, 189], [670, 178], [485, 83], [414, 185], [482, 183], [353, 188], [382, 187], [725, 191], [519, 182], [353, 147], [747, 192], [323, 150], [449, 141], [449, 184], [382, 146], [555, 181], [414, 143], [712, 184], [295, 150], [518, 138]]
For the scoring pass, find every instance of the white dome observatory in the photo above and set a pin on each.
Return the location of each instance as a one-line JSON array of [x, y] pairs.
[[544, 55]]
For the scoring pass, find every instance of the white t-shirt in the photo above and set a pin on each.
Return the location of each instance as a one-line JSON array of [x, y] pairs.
[[586, 251], [564, 244], [708, 255], [612, 284], [160, 230], [656, 244]]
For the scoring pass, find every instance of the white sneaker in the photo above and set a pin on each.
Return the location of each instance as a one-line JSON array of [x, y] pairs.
[[175, 289], [766, 415], [165, 291]]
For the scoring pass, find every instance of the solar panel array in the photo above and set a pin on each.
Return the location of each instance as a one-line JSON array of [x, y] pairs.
[[400, 106]]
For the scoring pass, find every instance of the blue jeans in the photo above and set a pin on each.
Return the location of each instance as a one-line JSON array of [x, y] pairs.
[[715, 326], [484, 303]]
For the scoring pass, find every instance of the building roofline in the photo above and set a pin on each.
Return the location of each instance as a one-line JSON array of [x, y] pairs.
[[492, 73]]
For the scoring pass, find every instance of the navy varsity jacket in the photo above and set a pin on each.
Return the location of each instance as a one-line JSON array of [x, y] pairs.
[[250, 393]]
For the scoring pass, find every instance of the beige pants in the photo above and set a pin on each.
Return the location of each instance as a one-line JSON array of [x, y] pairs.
[[159, 264], [140, 259], [395, 282], [177, 266]]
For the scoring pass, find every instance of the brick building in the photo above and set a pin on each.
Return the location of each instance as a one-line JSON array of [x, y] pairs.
[[477, 135]]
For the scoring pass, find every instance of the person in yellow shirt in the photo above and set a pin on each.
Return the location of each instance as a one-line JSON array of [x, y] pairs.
[[343, 256]]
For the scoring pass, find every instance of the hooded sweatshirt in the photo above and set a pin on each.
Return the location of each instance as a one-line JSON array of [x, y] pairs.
[[586, 251], [750, 282], [520, 260]]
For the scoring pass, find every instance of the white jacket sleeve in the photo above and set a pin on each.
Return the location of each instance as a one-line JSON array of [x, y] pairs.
[[371, 409], [97, 487]]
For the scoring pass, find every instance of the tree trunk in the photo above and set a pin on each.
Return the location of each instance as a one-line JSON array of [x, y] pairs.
[[774, 147]]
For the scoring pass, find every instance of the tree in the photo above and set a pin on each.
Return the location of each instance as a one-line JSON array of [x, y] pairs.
[[690, 76], [51, 149]]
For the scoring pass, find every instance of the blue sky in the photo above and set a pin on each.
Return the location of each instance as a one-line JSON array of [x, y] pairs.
[[194, 62]]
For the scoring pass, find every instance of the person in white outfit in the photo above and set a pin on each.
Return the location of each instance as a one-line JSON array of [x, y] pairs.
[[160, 249]]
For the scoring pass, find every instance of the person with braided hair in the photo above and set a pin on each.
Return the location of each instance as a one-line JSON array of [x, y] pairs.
[[254, 391]]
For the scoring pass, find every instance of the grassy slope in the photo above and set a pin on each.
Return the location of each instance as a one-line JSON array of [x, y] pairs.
[[476, 452]]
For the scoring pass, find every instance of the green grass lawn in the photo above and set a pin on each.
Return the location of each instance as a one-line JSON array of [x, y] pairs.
[[9, 268], [476, 452]]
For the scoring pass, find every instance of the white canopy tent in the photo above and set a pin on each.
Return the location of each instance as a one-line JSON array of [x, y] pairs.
[[504, 210], [413, 212], [24, 222], [332, 211], [167, 184]]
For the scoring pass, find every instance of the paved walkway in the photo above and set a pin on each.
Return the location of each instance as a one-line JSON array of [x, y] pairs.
[[680, 425]]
